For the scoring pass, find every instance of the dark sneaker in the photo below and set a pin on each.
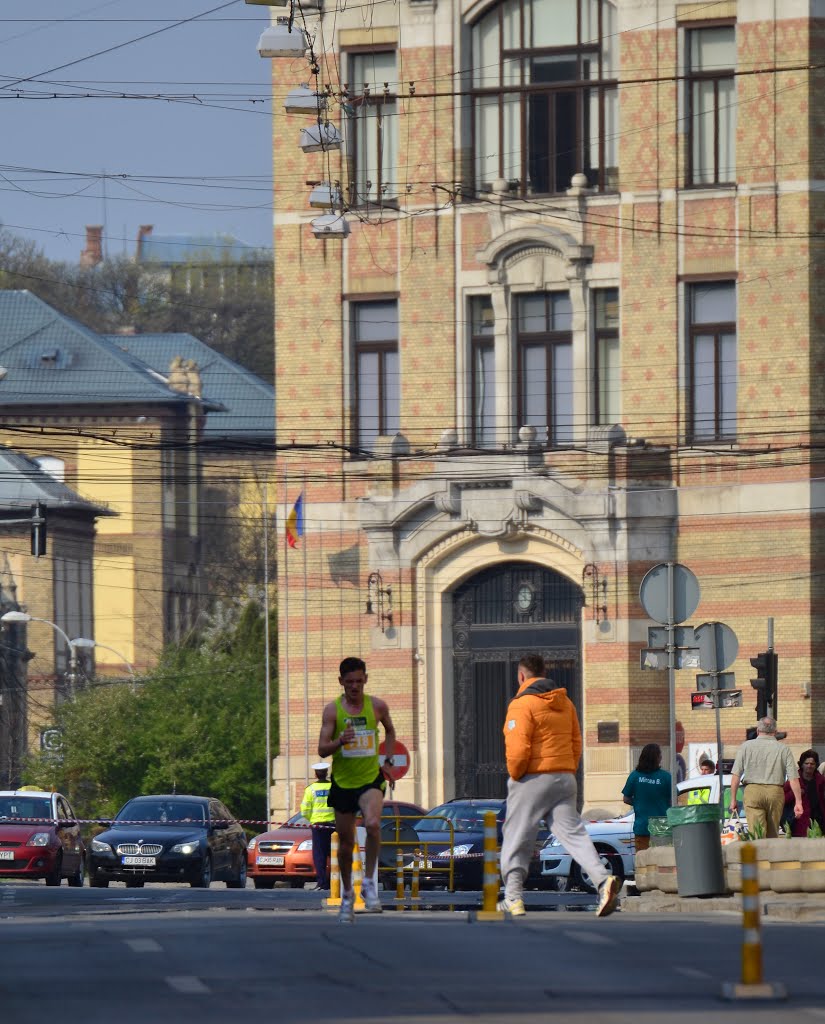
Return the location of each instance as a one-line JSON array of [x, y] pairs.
[[608, 896]]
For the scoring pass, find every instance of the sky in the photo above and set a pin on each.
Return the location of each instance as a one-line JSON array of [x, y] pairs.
[[197, 161]]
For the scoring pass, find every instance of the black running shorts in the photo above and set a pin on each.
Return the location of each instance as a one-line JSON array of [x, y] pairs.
[[345, 801]]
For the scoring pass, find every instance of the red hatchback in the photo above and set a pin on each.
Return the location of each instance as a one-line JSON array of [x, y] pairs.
[[285, 853], [40, 837]]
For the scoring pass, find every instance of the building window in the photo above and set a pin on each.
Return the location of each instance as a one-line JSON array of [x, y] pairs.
[[483, 358], [712, 367], [72, 583], [373, 127], [712, 104], [538, 116], [377, 385], [608, 362], [545, 355]]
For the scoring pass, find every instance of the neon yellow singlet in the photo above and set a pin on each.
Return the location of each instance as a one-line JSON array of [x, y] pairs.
[[356, 763]]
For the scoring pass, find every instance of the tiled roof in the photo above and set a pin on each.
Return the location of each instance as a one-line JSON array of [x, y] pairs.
[[46, 358], [23, 483], [248, 401]]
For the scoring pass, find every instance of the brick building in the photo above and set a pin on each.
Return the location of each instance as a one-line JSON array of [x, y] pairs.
[[574, 330]]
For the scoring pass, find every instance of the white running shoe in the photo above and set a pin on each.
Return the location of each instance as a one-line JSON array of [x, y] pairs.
[[372, 901], [346, 915]]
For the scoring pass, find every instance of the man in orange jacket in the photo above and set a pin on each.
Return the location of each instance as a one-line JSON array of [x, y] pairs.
[[543, 742]]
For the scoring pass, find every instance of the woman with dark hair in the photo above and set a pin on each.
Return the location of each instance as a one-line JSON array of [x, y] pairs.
[[647, 791], [812, 785]]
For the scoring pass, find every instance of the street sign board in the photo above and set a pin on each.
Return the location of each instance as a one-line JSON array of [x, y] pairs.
[[658, 659], [716, 698], [682, 636], [669, 592], [716, 681], [718, 646], [400, 757]]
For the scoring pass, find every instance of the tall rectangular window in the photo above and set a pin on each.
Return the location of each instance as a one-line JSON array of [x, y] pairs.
[[712, 104], [545, 355], [377, 385], [374, 127], [608, 361], [482, 330], [712, 361]]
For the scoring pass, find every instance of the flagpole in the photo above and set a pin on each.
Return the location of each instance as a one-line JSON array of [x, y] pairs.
[[267, 667], [284, 744], [306, 638]]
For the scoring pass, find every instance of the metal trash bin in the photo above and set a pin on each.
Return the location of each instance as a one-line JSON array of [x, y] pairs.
[[700, 869], [661, 831]]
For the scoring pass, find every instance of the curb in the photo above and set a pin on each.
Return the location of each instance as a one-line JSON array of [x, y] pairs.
[[773, 905]]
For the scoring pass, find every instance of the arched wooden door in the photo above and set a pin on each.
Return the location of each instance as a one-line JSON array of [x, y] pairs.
[[498, 615]]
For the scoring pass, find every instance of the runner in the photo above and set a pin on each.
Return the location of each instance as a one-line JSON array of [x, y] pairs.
[[349, 733]]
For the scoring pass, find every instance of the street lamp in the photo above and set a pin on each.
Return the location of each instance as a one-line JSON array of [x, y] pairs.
[[86, 644], [14, 616]]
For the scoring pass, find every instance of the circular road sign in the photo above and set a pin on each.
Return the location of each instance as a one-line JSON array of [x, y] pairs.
[[718, 646], [653, 592], [400, 757]]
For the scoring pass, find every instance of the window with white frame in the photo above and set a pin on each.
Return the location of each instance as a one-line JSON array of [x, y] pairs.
[[608, 367], [712, 369], [483, 371], [545, 364], [545, 97], [372, 107], [377, 383], [711, 83]]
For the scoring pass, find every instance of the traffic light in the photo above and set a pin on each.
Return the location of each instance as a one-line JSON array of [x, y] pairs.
[[38, 529], [766, 665]]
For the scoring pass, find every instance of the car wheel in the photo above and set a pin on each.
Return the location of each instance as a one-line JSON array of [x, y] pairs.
[[54, 877], [264, 883], [239, 881], [76, 880], [204, 879], [609, 858]]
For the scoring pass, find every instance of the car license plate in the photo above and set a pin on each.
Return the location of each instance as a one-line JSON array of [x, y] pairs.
[[272, 862], [6, 854], [139, 862]]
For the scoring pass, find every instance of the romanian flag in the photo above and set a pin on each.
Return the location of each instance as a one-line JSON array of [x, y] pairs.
[[295, 522]]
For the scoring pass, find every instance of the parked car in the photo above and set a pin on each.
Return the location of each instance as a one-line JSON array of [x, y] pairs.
[[614, 840], [285, 853], [40, 837], [467, 820], [170, 838]]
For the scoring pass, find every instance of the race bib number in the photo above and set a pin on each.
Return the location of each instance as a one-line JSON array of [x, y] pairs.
[[364, 743]]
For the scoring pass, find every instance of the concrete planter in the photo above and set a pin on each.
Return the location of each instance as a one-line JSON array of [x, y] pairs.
[[785, 865]]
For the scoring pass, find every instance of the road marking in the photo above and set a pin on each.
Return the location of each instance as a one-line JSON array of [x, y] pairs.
[[691, 972], [814, 1011], [590, 938], [186, 983], [143, 945]]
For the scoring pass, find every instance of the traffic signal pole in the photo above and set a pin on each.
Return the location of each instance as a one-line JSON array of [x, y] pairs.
[[772, 669]]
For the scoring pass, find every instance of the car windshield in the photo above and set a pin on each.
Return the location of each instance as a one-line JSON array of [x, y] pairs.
[[24, 807], [464, 818], [162, 812], [297, 819]]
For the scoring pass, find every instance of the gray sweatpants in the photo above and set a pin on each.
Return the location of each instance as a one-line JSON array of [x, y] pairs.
[[551, 796]]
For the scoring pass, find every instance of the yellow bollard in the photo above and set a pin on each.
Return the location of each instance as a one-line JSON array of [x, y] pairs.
[[399, 878], [416, 871], [752, 985], [357, 878], [334, 898], [488, 910]]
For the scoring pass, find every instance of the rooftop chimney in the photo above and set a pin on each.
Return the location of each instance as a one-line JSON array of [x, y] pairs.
[[143, 232], [92, 255]]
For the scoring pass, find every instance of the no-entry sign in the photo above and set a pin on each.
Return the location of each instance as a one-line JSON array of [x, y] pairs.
[[400, 757]]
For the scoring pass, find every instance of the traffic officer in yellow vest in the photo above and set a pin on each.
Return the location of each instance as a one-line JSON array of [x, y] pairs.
[[322, 818]]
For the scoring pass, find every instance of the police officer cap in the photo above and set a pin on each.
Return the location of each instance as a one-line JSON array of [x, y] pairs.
[[322, 766]]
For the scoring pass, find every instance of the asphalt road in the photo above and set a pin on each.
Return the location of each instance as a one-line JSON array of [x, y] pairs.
[[171, 954]]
